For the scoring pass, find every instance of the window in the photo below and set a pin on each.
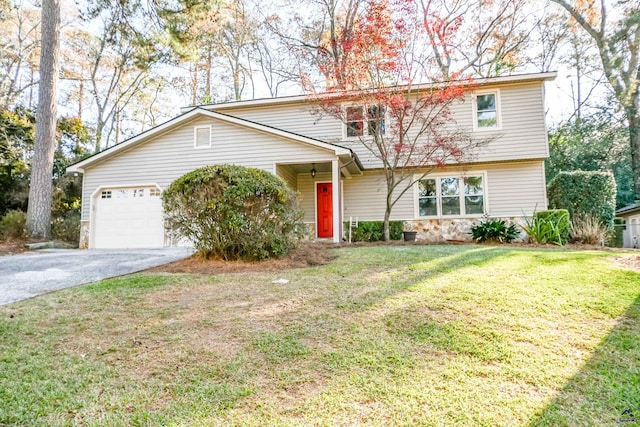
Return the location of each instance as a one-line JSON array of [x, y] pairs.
[[359, 118], [138, 192], [202, 136], [105, 195], [487, 112], [451, 196], [122, 194], [154, 192]]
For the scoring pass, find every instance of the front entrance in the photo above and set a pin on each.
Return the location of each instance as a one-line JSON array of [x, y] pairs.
[[324, 215]]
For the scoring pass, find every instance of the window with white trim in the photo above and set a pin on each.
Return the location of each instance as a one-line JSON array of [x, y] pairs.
[[451, 195], [365, 121], [138, 192], [105, 194], [154, 192], [122, 194], [486, 108], [202, 136]]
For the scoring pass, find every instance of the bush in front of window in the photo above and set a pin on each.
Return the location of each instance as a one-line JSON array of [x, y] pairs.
[[494, 230], [549, 227], [584, 193], [232, 212], [373, 231]]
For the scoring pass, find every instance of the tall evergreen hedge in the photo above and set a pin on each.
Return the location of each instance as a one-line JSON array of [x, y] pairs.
[[584, 193]]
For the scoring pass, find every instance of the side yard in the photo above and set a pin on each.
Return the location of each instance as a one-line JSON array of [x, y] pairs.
[[387, 335]]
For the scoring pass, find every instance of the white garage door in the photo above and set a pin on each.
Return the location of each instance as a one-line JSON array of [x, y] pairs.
[[128, 218]]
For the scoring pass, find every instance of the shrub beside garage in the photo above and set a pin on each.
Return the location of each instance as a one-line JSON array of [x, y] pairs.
[[233, 212]]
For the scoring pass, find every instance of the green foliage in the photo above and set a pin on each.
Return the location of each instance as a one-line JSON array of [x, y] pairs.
[[551, 226], [17, 129], [494, 230], [598, 142], [233, 212], [373, 231], [584, 193], [12, 225], [616, 238]]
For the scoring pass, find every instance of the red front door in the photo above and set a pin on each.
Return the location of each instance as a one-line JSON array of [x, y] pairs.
[[325, 210]]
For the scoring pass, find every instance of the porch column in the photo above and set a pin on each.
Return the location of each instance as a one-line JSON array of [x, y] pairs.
[[337, 196]]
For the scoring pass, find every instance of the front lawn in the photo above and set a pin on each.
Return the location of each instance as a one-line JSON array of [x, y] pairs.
[[407, 335]]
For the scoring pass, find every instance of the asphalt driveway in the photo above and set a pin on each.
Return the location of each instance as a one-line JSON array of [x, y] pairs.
[[34, 273]]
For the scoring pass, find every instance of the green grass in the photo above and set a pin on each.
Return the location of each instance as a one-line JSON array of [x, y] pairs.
[[407, 335]]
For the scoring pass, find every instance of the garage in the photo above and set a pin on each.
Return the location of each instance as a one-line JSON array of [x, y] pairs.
[[128, 217]]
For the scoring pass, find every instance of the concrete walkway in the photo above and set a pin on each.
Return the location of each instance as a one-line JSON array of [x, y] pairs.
[[34, 273]]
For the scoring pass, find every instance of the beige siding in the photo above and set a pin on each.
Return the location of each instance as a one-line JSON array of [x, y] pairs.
[[522, 134], [288, 175], [167, 157], [513, 189], [516, 189]]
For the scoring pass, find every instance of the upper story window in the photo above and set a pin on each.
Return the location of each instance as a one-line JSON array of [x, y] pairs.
[[202, 136], [451, 196], [487, 110], [365, 120]]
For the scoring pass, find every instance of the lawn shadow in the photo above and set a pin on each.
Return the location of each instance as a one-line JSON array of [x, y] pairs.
[[606, 390]]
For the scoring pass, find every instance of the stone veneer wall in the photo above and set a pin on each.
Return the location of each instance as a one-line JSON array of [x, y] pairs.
[[84, 235], [450, 230]]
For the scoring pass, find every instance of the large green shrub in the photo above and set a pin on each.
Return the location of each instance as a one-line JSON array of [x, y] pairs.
[[584, 193], [233, 212], [373, 231], [551, 226], [12, 225]]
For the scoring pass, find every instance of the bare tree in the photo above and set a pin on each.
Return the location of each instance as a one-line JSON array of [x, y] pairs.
[[40, 190], [482, 36], [617, 38], [19, 50]]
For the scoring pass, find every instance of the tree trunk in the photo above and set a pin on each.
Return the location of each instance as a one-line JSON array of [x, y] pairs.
[[40, 190], [634, 140]]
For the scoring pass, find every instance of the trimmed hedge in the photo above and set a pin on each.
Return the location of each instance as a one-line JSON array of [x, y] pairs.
[[232, 212], [584, 193], [373, 231]]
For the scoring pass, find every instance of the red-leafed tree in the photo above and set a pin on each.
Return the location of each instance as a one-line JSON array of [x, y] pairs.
[[371, 65]]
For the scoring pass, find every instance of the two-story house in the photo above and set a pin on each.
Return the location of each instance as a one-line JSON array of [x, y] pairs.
[[335, 176]]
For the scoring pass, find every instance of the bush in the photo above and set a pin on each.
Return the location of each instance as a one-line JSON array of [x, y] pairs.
[[232, 212], [551, 226], [588, 230], [373, 231], [66, 226], [12, 225], [616, 239], [494, 230], [584, 193]]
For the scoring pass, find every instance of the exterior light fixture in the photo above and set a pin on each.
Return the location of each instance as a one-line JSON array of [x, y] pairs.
[[313, 170]]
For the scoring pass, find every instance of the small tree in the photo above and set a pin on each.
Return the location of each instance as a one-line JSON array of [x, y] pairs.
[[233, 212], [372, 63]]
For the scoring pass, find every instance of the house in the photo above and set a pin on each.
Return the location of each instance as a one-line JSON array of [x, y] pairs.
[[631, 233], [335, 176]]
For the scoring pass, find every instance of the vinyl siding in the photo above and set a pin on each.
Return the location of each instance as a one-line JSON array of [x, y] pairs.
[[521, 136], [167, 157], [513, 189]]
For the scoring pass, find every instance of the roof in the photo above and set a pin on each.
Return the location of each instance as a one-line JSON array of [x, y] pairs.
[[629, 209], [192, 114], [489, 81]]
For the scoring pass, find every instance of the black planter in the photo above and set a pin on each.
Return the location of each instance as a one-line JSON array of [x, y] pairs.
[[409, 236]]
